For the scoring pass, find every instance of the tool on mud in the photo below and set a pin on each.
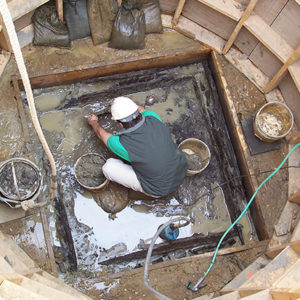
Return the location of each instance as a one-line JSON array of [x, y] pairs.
[[147, 262], [197, 285], [171, 232]]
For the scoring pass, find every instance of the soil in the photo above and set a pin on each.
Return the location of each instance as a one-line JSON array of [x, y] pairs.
[[88, 170], [25, 183], [193, 160]]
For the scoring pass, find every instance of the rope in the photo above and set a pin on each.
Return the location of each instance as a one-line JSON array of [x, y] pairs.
[[25, 79]]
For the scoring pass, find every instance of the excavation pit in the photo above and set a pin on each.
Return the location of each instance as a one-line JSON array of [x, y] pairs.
[[110, 231]]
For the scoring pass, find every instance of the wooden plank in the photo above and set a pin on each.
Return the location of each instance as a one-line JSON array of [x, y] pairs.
[[166, 20], [292, 96], [279, 75], [195, 259], [10, 290], [267, 36], [118, 67], [291, 278], [246, 41], [268, 10], [245, 66], [239, 143], [4, 37], [265, 60], [295, 198], [239, 25], [287, 24], [23, 21], [59, 8], [285, 294], [294, 70], [198, 33], [296, 233], [209, 18], [4, 58], [273, 252], [168, 5], [26, 35], [178, 12], [229, 8], [19, 8]]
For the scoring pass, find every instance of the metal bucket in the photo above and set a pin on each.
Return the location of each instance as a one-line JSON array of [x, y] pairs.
[[94, 159], [20, 179], [198, 148], [273, 121]]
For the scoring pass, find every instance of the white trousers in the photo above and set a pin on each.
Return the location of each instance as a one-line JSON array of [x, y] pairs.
[[116, 170]]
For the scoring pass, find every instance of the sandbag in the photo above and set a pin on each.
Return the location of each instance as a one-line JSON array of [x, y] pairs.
[[48, 29], [75, 13], [129, 27], [153, 21], [102, 14]]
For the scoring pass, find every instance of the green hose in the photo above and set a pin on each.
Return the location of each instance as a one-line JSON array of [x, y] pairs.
[[195, 288]]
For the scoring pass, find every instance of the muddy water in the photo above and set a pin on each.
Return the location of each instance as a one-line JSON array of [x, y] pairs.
[[107, 224]]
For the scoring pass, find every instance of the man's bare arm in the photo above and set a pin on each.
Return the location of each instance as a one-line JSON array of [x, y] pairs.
[[101, 133]]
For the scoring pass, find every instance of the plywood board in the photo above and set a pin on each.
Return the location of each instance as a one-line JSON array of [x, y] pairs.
[[23, 21], [209, 18], [246, 41], [168, 5], [19, 8], [245, 66], [287, 24], [229, 8], [198, 33], [269, 9], [267, 62], [166, 20], [270, 38], [292, 97]]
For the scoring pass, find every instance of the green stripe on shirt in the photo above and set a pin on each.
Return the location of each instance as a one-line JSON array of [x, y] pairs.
[[113, 142]]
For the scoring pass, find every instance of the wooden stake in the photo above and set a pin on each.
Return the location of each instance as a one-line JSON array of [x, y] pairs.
[[178, 12], [279, 75], [59, 8], [239, 25]]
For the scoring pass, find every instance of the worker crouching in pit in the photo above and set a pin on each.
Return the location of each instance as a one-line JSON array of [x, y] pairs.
[[153, 163]]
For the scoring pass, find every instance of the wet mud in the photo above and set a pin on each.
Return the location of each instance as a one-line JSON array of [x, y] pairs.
[[107, 224], [88, 170], [18, 180]]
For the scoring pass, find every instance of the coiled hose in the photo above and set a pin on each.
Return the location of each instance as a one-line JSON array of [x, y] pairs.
[[195, 287], [25, 79]]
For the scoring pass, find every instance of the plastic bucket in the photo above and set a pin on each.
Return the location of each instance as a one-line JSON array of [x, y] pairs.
[[273, 121], [195, 148], [88, 171]]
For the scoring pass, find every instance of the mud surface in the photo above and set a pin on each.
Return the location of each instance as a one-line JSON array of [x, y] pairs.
[[18, 180], [88, 170]]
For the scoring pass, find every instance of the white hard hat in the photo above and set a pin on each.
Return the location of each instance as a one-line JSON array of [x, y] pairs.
[[122, 107]]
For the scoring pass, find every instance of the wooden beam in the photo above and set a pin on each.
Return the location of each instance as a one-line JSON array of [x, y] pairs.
[[295, 198], [120, 66], [239, 25], [272, 252], [4, 38], [59, 8], [178, 12], [282, 71]]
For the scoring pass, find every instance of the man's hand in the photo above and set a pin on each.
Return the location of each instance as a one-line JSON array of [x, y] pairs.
[[141, 109], [92, 119]]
